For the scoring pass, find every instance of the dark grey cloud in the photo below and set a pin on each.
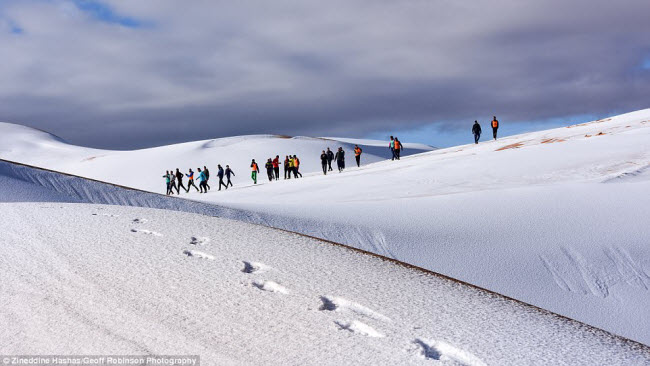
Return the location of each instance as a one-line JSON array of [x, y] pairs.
[[175, 72]]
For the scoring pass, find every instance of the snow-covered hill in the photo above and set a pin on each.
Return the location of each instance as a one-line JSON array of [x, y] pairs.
[[555, 218], [132, 280], [144, 168]]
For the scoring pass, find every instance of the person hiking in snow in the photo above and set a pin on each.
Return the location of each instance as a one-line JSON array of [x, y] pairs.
[[254, 170], [172, 184], [202, 181], [296, 167], [228, 173], [323, 161], [220, 174], [269, 169], [476, 130], [168, 181], [397, 147], [391, 146], [207, 176], [495, 127], [190, 182], [340, 159], [330, 157], [357, 155], [179, 180], [287, 168], [276, 167]]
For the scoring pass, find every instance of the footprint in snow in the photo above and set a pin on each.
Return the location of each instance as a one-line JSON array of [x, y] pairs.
[[199, 240], [340, 304], [140, 221], [443, 351], [270, 286], [148, 232], [107, 215], [255, 267], [358, 327], [197, 254]]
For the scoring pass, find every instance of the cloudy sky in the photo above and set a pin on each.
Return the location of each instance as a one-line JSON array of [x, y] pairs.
[[130, 74]]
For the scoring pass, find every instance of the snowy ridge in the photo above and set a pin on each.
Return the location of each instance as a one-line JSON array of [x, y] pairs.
[[89, 264], [527, 216], [80, 189]]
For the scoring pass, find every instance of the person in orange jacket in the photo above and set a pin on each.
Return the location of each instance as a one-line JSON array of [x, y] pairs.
[[398, 147], [495, 126], [255, 170], [296, 167], [357, 155]]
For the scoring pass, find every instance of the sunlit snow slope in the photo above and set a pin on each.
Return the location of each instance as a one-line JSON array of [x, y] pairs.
[[555, 218]]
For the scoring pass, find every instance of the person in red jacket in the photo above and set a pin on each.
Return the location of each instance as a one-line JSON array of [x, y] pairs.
[[276, 167]]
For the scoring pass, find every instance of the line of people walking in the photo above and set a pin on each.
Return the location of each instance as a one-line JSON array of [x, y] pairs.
[[174, 180], [476, 129]]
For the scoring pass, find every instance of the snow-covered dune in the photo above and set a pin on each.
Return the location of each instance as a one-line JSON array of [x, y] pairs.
[[554, 218], [133, 280], [144, 168]]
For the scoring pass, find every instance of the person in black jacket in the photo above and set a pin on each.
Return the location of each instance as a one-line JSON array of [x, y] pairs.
[[220, 174], [207, 176], [269, 169], [228, 173], [476, 130], [323, 162], [330, 157], [340, 159], [179, 180]]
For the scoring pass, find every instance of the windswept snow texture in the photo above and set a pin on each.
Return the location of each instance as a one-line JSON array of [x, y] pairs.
[[556, 218], [75, 280]]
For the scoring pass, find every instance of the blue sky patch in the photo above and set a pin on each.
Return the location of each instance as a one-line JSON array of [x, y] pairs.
[[105, 13]]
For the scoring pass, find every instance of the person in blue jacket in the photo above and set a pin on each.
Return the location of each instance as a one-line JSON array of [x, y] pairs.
[[203, 181], [220, 174]]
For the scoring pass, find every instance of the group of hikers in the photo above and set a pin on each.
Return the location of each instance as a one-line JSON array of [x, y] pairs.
[[291, 167], [476, 129], [174, 180]]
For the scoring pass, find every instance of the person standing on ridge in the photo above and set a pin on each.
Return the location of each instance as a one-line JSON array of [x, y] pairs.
[[254, 170], [495, 127], [190, 182], [203, 181], [398, 147], [228, 173], [357, 155], [391, 146], [296, 167], [168, 180], [207, 176], [269, 169], [179, 179], [173, 183], [330, 157], [220, 173], [476, 130], [340, 159], [323, 161], [287, 170], [276, 167]]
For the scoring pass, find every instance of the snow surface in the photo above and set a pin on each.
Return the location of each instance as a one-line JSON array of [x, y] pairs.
[[83, 279], [555, 218]]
